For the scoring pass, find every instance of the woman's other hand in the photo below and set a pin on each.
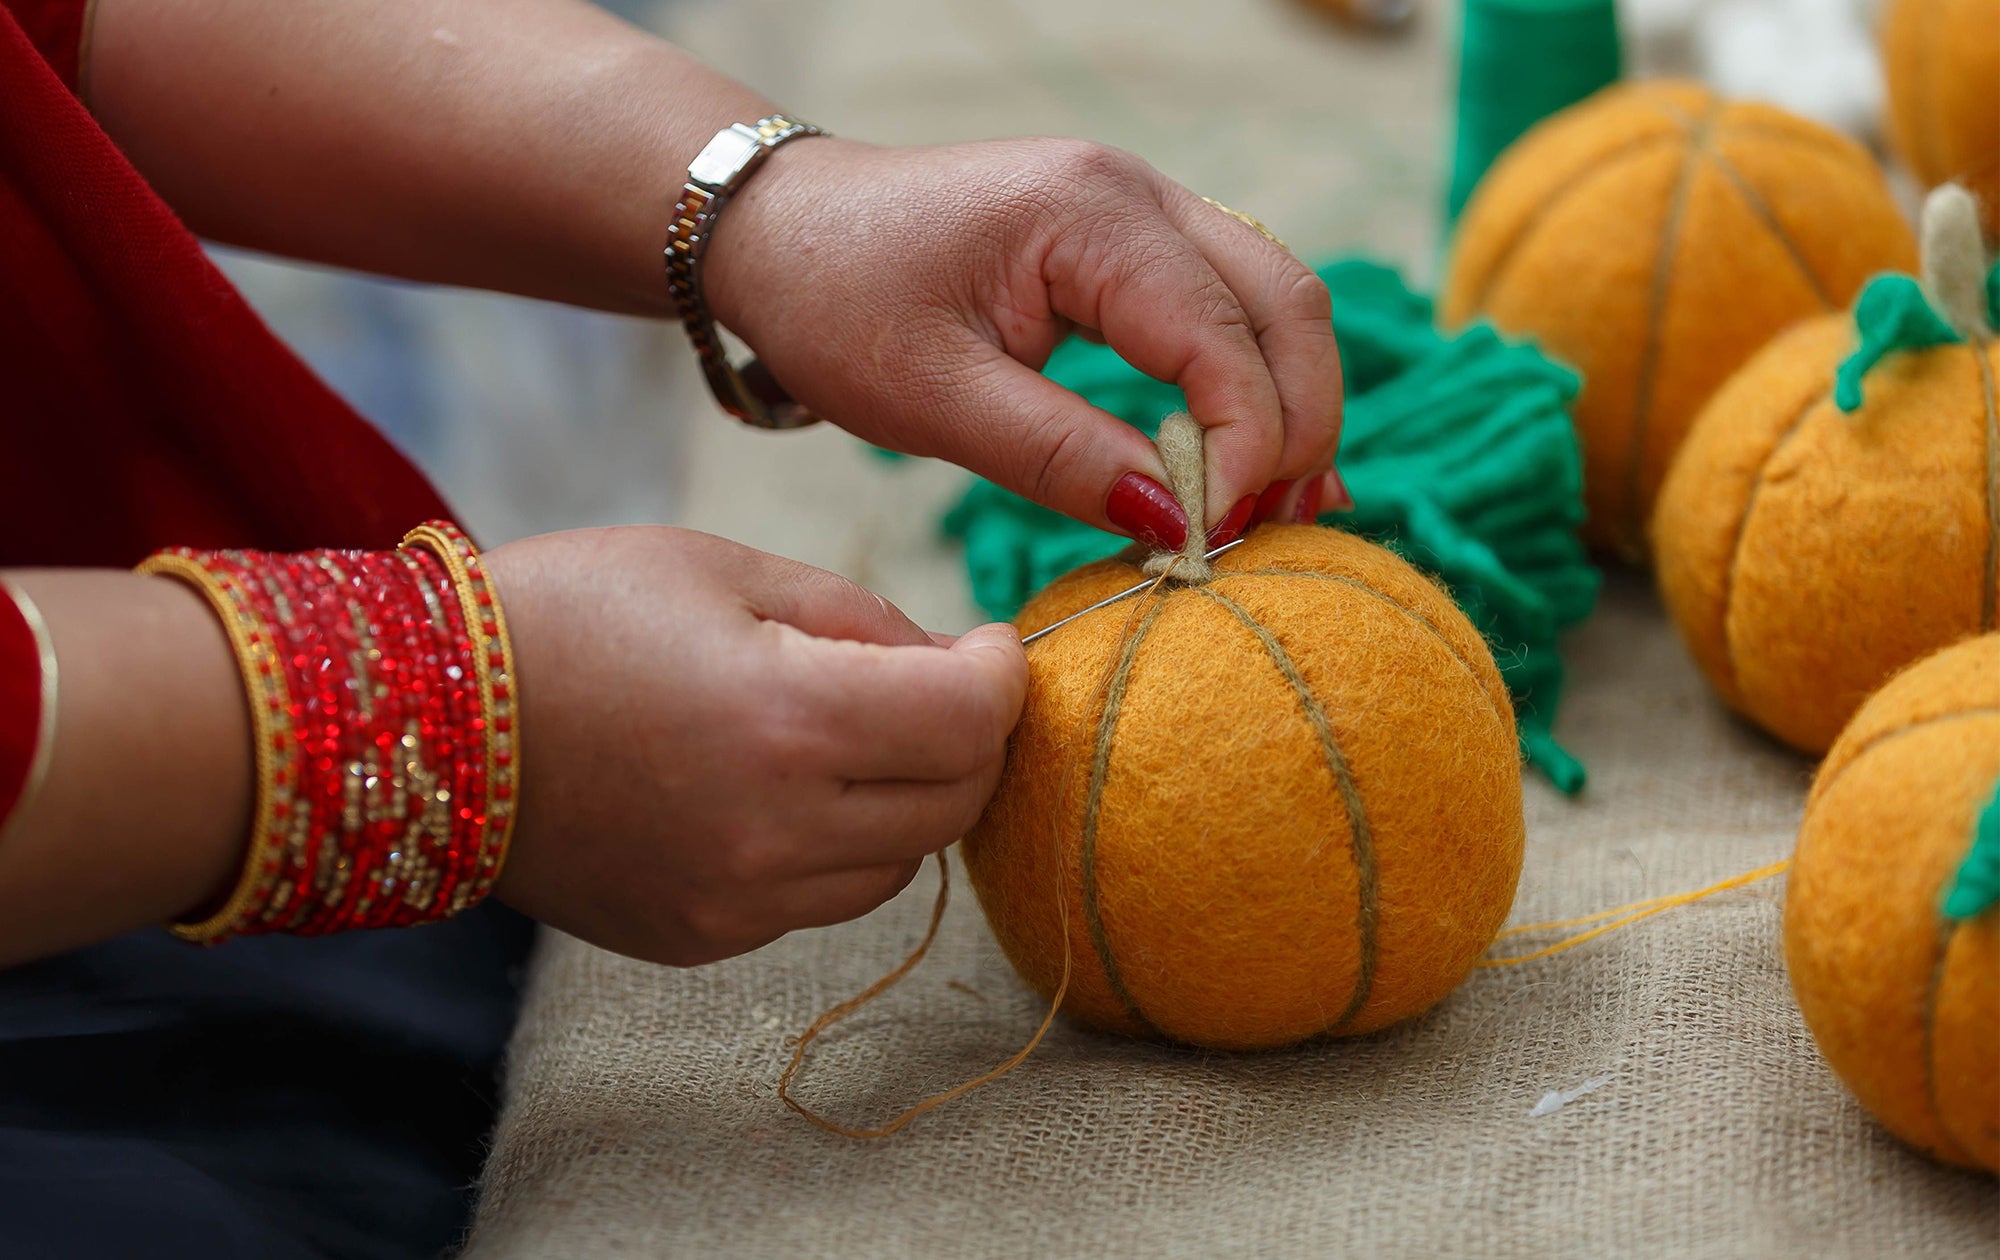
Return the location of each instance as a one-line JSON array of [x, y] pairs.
[[720, 746], [912, 295]]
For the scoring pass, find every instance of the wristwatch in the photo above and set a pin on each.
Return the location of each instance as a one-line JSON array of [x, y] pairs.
[[723, 166]]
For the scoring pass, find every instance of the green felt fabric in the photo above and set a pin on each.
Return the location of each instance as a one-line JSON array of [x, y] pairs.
[[1458, 450], [1519, 62], [1976, 887], [1893, 314]]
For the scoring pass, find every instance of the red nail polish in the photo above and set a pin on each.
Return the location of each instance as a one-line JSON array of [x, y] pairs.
[[1267, 502], [1339, 498], [1308, 509], [1147, 511], [1230, 527]]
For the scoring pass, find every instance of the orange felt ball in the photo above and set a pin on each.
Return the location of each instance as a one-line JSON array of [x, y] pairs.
[[1653, 237], [1904, 1003], [1807, 554], [1282, 803], [1942, 62]]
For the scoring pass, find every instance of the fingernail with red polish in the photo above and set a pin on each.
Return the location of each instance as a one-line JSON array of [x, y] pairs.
[[1308, 509], [1147, 511], [1267, 502], [1338, 498], [1230, 527]]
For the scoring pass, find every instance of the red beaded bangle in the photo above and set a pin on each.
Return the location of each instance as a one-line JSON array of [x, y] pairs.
[[381, 698]]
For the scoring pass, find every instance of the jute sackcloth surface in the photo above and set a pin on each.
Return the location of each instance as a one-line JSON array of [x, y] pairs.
[[641, 1117]]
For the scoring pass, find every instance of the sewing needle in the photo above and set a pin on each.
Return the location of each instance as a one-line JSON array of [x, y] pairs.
[[1124, 594]]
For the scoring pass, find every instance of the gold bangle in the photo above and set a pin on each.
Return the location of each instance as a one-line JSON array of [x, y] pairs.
[[277, 754], [45, 725], [493, 667]]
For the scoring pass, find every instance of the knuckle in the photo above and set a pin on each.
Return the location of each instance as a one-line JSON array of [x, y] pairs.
[[1054, 462], [1089, 164], [1303, 294]]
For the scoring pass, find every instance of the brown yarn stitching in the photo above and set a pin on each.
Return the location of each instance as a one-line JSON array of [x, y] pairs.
[[1947, 1143], [1991, 589], [1100, 767], [1656, 306], [873, 991], [1818, 399], [1825, 146], [1362, 837], [1533, 219], [1765, 215], [1405, 609]]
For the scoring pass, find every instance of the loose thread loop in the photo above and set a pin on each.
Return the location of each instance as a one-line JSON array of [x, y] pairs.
[[873, 991], [799, 1042], [1621, 916]]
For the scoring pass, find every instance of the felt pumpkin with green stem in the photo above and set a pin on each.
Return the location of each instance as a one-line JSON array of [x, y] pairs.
[[1832, 515]]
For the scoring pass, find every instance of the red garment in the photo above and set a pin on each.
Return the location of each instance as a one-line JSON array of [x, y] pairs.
[[142, 402]]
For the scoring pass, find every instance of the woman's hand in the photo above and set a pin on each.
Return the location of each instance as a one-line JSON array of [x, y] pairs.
[[911, 295], [720, 746]]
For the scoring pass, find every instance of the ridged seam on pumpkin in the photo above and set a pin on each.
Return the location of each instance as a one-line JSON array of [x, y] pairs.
[[1608, 164], [1754, 199], [1982, 354], [1856, 160], [1361, 837], [1399, 606], [1632, 527], [1947, 1141], [1100, 766], [1876, 741], [1820, 398]]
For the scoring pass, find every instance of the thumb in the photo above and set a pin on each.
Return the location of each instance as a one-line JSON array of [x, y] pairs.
[[826, 605], [993, 652]]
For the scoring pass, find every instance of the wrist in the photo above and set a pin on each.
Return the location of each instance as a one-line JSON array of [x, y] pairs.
[[763, 236]]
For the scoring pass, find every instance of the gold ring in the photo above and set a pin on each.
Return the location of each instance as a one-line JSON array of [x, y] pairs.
[[1241, 217]]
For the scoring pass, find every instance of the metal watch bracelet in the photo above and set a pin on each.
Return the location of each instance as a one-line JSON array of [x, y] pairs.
[[718, 172]]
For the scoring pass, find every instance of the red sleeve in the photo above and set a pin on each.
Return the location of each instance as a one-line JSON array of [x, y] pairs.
[[56, 27], [20, 703]]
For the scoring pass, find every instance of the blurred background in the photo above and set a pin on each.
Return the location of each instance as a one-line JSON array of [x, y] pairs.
[[1331, 128]]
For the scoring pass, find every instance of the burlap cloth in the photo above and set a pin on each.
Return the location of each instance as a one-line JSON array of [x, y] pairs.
[[641, 1118]]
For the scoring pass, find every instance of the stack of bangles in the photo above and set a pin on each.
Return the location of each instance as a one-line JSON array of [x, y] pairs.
[[382, 700]]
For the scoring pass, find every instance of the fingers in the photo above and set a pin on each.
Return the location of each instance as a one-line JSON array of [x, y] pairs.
[[917, 714], [1290, 314], [823, 604], [1013, 426], [1165, 309]]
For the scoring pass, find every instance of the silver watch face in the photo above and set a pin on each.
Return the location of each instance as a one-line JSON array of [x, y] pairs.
[[724, 158]]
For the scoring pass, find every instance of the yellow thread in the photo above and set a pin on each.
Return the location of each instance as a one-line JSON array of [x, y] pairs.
[[1638, 910]]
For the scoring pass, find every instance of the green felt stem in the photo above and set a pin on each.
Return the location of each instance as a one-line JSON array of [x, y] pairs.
[[1976, 886]]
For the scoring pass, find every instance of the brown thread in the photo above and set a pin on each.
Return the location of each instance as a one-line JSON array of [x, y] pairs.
[[1129, 640], [1100, 769], [1947, 1144], [1991, 587], [1754, 199], [1633, 528], [1818, 399], [1405, 609], [873, 991], [1361, 837], [1603, 166], [1824, 145]]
